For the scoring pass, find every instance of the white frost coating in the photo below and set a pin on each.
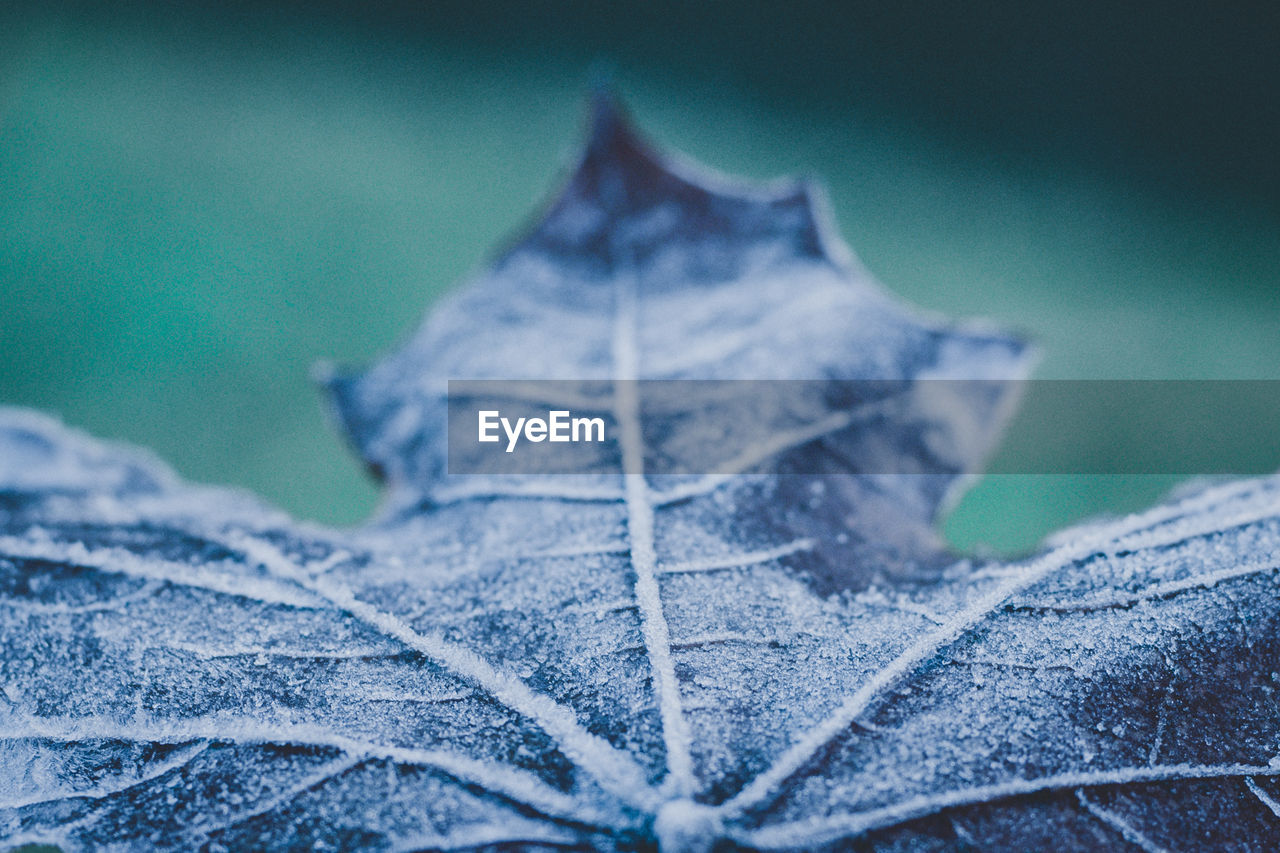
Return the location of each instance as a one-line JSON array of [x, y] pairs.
[[211, 652], [1263, 797], [121, 561], [904, 605], [480, 837], [581, 551], [543, 489], [812, 833], [64, 463], [766, 784], [179, 758], [612, 769], [145, 591], [516, 785], [1153, 754], [1160, 590], [327, 772], [549, 395], [791, 439], [762, 452], [737, 561], [696, 488], [1119, 824], [644, 561], [717, 639], [1200, 503]]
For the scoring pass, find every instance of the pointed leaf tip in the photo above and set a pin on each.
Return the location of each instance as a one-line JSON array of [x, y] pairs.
[[731, 281], [608, 120], [626, 202]]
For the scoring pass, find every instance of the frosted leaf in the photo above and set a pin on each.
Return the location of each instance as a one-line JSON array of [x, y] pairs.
[[605, 661]]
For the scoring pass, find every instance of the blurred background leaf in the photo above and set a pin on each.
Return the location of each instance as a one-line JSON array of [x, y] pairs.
[[198, 201]]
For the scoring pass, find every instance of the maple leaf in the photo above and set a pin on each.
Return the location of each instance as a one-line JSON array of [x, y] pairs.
[[612, 661]]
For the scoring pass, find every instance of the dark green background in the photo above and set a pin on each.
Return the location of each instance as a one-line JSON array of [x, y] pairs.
[[199, 201]]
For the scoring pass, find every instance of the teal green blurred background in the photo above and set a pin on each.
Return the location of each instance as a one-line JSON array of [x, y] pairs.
[[198, 203]]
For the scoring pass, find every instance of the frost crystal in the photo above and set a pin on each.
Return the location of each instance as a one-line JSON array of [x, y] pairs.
[[613, 661]]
